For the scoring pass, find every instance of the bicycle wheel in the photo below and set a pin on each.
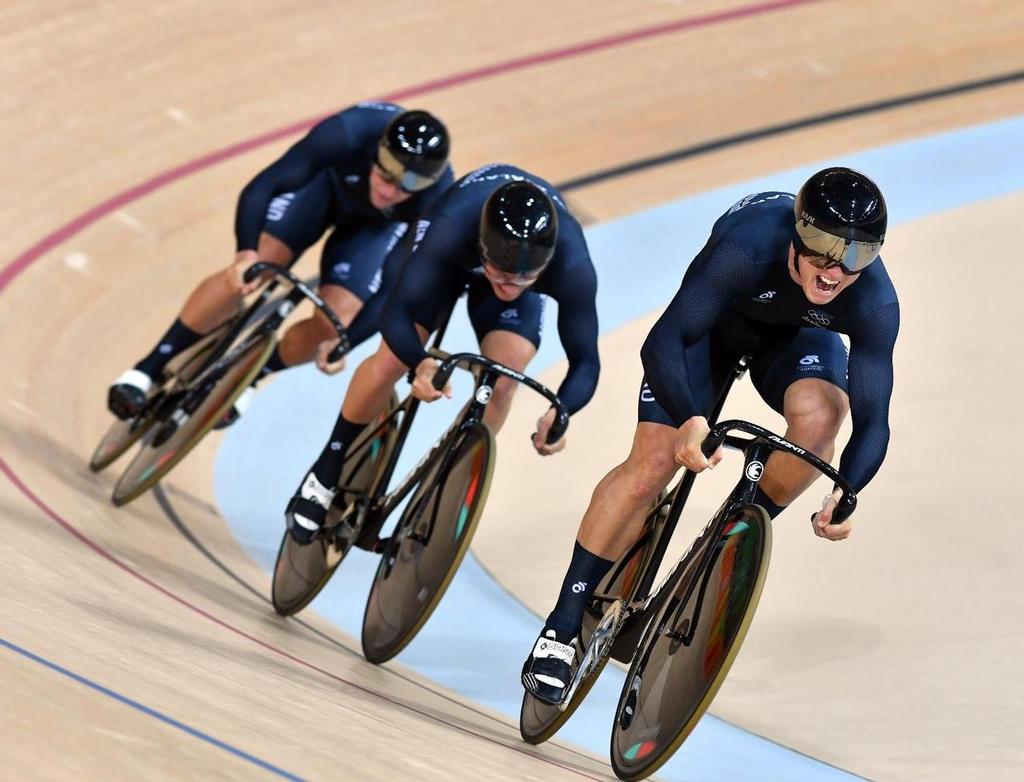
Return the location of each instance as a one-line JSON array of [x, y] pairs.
[[153, 462], [122, 435], [302, 571], [678, 669], [428, 544], [539, 721]]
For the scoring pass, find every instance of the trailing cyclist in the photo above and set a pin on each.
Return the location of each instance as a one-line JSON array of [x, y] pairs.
[[366, 173], [507, 236], [780, 279]]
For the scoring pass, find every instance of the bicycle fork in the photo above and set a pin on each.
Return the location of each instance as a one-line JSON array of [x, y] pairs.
[[682, 630]]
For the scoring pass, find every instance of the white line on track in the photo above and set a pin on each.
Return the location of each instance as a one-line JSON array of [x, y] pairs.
[[77, 261], [178, 115]]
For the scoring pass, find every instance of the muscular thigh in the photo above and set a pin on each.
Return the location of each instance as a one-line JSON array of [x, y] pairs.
[[488, 314], [811, 354], [299, 219], [709, 363]]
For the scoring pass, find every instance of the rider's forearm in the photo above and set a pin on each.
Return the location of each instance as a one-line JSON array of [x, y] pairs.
[[580, 383], [578, 331], [864, 454], [251, 211], [399, 332], [367, 321], [663, 356]]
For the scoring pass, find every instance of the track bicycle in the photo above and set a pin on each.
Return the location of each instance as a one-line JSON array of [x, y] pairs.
[[679, 638], [199, 388], [446, 493]]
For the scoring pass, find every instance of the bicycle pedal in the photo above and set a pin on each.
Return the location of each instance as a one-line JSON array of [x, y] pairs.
[[601, 641], [167, 430]]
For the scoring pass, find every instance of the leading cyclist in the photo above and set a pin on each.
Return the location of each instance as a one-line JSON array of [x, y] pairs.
[[781, 277]]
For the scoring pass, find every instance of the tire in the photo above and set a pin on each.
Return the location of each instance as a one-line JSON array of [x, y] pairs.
[[670, 685], [121, 436], [152, 463], [300, 572], [539, 721], [414, 571]]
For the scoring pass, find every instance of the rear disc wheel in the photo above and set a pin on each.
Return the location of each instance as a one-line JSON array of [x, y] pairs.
[[300, 572], [153, 462]]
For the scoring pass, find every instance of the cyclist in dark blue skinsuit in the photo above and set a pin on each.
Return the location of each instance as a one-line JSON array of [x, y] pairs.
[[366, 173], [508, 237], [780, 290]]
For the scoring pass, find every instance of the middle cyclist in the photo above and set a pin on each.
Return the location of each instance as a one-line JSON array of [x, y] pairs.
[[508, 237]]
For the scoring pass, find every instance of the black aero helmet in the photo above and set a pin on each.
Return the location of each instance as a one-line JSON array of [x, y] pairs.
[[413, 150], [518, 228], [840, 214]]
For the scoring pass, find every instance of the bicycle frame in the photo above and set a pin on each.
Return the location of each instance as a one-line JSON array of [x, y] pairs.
[[756, 452], [223, 358], [676, 500], [380, 505]]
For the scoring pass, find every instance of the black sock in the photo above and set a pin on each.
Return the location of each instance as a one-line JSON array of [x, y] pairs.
[[327, 467], [765, 502], [581, 579], [274, 364], [179, 337]]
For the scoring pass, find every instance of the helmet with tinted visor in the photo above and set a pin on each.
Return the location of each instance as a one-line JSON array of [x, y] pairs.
[[413, 150], [841, 216]]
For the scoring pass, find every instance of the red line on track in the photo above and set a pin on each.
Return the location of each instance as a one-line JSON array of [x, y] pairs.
[[13, 269], [120, 563], [87, 218]]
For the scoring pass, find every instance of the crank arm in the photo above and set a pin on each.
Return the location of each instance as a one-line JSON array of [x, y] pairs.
[[600, 641]]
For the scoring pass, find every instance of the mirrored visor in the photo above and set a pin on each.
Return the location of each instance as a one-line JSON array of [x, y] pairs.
[[405, 178], [853, 256]]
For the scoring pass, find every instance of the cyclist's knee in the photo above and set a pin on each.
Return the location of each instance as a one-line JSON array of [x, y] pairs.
[[343, 303], [386, 366], [321, 329], [648, 471], [504, 390], [273, 250], [815, 411]]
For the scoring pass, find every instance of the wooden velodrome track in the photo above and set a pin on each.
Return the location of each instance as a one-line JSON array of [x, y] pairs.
[[892, 656]]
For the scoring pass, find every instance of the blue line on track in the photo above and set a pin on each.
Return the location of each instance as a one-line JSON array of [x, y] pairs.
[[151, 712], [256, 469]]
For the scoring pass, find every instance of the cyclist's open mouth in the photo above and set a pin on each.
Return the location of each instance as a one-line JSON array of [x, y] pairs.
[[824, 284]]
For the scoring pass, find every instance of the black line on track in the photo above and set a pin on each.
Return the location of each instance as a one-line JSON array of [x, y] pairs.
[[171, 513], [788, 127], [574, 184]]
